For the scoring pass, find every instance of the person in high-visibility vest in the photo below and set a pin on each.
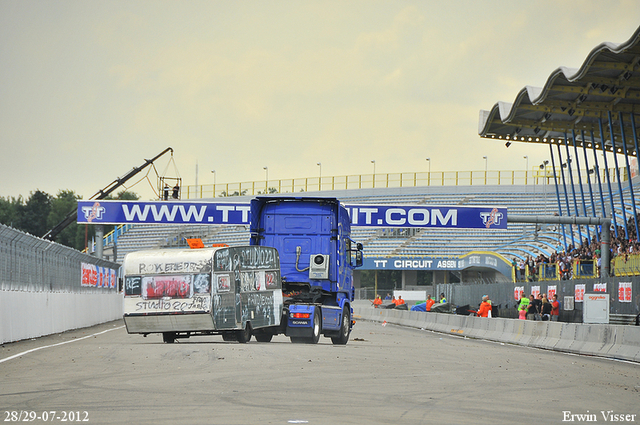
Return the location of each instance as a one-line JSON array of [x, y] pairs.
[[430, 302], [442, 299], [485, 307], [377, 301]]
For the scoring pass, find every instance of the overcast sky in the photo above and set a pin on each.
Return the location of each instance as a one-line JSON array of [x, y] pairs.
[[89, 89]]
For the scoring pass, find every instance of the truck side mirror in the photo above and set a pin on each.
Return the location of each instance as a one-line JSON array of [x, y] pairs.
[[359, 258]]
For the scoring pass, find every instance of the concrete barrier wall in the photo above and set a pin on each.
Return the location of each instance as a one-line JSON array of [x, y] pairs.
[[611, 341], [32, 314]]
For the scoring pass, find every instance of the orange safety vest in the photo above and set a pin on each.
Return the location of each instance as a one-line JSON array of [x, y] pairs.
[[484, 309], [430, 303]]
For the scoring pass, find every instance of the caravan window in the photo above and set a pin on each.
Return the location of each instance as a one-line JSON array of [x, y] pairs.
[[171, 286]]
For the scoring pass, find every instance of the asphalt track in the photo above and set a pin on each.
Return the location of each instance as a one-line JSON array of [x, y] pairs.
[[384, 375]]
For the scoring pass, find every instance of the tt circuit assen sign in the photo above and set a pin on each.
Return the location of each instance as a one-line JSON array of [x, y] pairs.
[[134, 212]]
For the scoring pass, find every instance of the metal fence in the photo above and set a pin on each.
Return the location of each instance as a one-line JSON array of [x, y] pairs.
[[32, 264], [502, 295], [534, 176]]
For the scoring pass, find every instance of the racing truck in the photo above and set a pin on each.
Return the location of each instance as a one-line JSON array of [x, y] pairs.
[[317, 258]]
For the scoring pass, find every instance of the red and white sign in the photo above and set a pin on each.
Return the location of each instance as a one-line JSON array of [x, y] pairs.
[[599, 287], [96, 276], [518, 292], [551, 291], [624, 292], [535, 290], [580, 288]]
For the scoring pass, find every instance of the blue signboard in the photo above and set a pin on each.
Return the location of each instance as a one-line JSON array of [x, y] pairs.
[[422, 263], [401, 216], [133, 212], [474, 259], [427, 216]]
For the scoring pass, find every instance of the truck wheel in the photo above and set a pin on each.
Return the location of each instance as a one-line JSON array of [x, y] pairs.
[[345, 328], [262, 336], [315, 336], [169, 337], [244, 335]]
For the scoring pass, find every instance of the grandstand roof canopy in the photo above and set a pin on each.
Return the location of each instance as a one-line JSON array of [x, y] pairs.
[[576, 100]]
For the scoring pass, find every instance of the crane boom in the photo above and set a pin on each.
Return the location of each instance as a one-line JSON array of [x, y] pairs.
[[103, 193]]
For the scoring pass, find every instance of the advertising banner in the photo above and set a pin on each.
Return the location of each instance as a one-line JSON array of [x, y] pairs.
[[428, 216], [178, 212], [624, 292], [551, 291], [428, 263], [96, 276], [135, 212], [518, 292], [600, 287], [535, 291]]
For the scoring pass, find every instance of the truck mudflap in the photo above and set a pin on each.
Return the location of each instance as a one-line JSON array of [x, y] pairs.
[[331, 316], [300, 319]]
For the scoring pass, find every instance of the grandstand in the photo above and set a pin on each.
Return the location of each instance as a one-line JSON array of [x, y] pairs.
[[517, 240]]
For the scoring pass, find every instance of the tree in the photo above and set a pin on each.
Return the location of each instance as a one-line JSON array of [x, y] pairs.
[[124, 195], [35, 213], [64, 202], [11, 211], [42, 212]]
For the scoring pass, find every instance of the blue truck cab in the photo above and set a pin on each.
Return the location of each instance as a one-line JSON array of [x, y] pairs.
[[317, 258]]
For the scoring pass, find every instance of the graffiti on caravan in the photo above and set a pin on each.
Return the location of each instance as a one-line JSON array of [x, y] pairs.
[[122, 212], [248, 257]]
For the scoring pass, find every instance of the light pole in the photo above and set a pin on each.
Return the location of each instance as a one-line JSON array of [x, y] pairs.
[[485, 169], [319, 164], [429, 174], [526, 170], [543, 166], [214, 182], [373, 161], [266, 179]]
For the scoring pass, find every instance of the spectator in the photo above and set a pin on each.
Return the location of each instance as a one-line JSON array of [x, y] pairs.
[[555, 309], [388, 297], [546, 309], [537, 302], [165, 192], [531, 308], [522, 312], [176, 191]]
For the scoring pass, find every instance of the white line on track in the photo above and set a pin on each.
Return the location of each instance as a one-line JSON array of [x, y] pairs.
[[55, 345]]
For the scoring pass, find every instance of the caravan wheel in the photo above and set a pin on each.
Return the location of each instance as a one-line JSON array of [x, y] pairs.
[[244, 336]]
